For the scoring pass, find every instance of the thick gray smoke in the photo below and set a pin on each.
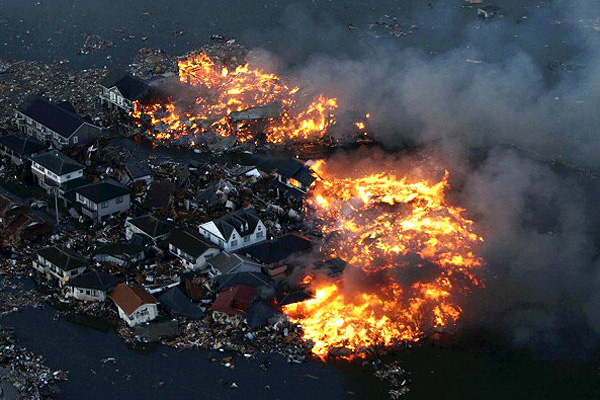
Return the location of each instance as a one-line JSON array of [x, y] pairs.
[[522, 143]]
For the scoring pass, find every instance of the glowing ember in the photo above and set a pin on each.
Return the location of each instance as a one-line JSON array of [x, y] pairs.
[[410, 254], [241, 102]]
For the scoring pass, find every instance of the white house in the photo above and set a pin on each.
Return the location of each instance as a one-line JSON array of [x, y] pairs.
[[102, 199], [120, 89], [134, 303], [54, 169], [59, 263], [235, 231], [91, 286], [193, 252]]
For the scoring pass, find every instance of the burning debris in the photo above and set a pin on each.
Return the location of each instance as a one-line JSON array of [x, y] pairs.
[[242, 101], [412, 252]]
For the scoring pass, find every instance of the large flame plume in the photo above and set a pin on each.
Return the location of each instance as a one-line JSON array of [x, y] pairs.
[[411, 258], [287, 113]]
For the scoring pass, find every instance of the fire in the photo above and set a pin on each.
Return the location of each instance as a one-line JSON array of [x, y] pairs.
[[411, 258], [271, 106]]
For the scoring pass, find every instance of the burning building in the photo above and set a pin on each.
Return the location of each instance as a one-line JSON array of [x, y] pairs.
[[243, 102], [411, 260]]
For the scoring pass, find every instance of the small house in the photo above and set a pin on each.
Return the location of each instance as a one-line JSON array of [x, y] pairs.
[[55, 170], [91, 286], [59, 263], [56, 124], [148, 226], [235, 231], [193, 252], [235, 300], [293, 178], [102, 199], [124, 255], [226, 263], [120, 89], [135, 304], [19, 148], [279, 255]]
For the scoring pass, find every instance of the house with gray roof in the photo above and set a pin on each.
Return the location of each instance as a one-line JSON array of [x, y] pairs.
[[293, 178], [226, 263], [235, 231], [102, 199], [122, 254], [59, 263], [192, 250], [119, 89], [54, 169], [18, 148], [56, 124], [91, 286], [148, 226]]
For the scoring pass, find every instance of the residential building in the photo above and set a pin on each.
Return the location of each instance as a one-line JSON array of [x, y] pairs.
[[91, 286], [55, 170], [17, 222], [280, 255], [293, 178], [148, 226], [226, 263], [122, 254], [193, 252], [235, 231], [135, 304], [102, 199], [234, 300], [56, 124], [159, 196], [59, 263], [135, 173], [18, 148], [120, 89]]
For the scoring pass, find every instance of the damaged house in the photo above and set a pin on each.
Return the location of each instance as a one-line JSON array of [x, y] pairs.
[[193, 252], [59, 263], [120, 89], [56, 124], [100, 200], [122, 254], [235, 231], [19, 148], [148, 226], [55, 170], [293, 178], [135, 304]]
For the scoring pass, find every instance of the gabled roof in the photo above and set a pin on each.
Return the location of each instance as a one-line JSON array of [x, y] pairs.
[[138, 170], [279, 249], [175, 301], [63, 258], [292, 168], [189, 242], [226, 263], [96, 280], [152, 226], [256, 279], [159, 194], [130, 298], [22, 145], [244, 221], [120, 249], [131, 87], [293, 296], [59, 117], [102, 191], [57, 162], [234, 300]]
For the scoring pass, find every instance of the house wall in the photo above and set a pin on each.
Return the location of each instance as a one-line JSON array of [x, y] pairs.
[[41, 173], [110, 207], [114, 98], [144, 313], [111, 259], [236, 241], [87, 294], [54, 272], [189, 262], [86, 133]]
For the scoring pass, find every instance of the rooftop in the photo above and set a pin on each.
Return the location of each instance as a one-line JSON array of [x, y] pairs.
[[59, 117], [130, 298], [22, 145], [57, 162], [63, 258], [102, 191]]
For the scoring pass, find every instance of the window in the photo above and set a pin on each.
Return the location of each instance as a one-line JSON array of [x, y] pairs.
[[88, 292], [119, 200], [104, 204], [234, 243], [75, 139], [259, 235], [68, 176], [246, 239]]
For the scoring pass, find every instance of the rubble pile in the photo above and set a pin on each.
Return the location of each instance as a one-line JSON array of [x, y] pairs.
[[394, 376], [26, 371], [93, 43], [23, 78], [13, 297], [150, 62]]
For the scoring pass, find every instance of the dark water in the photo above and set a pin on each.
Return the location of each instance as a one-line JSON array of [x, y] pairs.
[[49, 30]]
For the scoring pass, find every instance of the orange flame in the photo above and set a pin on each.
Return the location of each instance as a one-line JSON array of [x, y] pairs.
[[384, 227], [237, 90]]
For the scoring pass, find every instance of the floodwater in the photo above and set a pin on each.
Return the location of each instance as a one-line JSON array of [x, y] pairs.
[[50, 30]]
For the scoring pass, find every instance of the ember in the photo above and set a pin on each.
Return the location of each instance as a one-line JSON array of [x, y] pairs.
[[244, 102], [411, 253]]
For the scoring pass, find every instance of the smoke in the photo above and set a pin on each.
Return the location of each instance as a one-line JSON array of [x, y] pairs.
[[519, 133]]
